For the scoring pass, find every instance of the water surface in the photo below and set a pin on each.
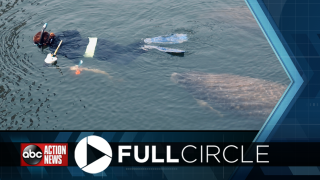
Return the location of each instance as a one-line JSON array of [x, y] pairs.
[[223, 38]]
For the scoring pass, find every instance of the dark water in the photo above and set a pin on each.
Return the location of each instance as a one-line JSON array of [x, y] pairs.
[[223, 38]]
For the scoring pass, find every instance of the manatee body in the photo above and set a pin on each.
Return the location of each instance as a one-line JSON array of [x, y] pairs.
[[246, 96]]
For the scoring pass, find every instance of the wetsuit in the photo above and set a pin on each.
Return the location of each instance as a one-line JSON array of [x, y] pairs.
[[74, 47]]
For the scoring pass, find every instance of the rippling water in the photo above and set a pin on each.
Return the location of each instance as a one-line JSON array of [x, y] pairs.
[[223, 38]]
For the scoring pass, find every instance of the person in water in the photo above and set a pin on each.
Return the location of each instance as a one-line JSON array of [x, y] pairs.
[[47, 38], [75, 47]]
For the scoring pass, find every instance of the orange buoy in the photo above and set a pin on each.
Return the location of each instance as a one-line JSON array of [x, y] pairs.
[[77, 71]]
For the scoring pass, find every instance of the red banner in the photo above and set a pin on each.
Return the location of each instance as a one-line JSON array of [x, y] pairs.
[[44, 154]]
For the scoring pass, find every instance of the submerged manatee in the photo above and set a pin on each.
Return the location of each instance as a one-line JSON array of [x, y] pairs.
[[232, 93]]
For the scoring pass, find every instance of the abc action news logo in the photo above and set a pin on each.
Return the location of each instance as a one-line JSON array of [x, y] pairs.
[[44, 154]]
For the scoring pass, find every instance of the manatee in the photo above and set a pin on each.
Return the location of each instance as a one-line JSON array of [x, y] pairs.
[[76, 67], [246, 96]]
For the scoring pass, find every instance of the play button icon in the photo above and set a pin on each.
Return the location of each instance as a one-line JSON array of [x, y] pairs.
[[93, 154]]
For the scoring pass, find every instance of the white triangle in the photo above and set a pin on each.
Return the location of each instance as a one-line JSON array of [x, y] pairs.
[[100, 144]]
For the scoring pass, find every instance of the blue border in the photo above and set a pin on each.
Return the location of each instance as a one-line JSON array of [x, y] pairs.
[[292, 72], [287, 64]]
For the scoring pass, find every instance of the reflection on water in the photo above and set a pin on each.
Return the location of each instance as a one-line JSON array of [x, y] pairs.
[[223, 37], [19, 105]]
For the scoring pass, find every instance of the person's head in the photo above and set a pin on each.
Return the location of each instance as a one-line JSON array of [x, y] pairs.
[[47, 38]]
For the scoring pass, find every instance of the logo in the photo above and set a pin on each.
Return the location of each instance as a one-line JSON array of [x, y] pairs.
[[32, 155], [93, 154], [44, 154]]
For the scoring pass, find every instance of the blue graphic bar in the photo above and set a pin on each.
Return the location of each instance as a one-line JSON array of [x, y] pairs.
[[287, 64]]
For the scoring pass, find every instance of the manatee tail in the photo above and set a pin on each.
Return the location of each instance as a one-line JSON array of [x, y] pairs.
[[171, 39]]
